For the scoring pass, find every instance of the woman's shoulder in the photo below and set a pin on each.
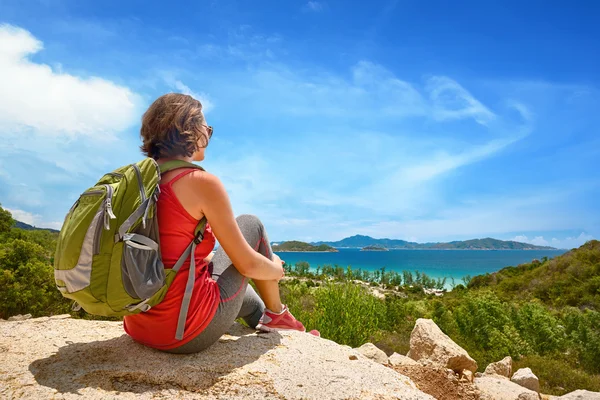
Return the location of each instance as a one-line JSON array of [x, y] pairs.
[[206, 182]]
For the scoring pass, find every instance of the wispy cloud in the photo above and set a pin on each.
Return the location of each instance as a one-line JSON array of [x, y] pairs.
[[452, 101], [314, 6], [33, 219], [207, 105], [54, 103]]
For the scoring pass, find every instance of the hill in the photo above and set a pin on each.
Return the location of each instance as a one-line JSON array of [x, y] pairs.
[[488, 244], [572, 279], [27, 227], [295, 245], [361, 241]]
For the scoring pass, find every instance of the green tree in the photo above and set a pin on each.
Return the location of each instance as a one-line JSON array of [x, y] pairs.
[[6, 220]]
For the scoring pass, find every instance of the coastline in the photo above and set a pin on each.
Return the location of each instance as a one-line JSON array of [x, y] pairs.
[[302, 251]]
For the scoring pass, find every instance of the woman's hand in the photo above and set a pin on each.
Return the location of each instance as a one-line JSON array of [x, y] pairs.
[[279, 262], [209, 257]]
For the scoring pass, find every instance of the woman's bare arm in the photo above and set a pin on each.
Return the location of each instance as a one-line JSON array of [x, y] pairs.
[[216, 206]]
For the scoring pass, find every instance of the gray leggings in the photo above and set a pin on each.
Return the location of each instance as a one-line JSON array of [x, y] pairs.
[[238, 299]]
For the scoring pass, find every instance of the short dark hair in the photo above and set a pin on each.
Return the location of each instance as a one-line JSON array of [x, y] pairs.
[[172, 126]]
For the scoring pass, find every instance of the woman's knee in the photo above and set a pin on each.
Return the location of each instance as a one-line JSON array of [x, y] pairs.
[[249, 220]]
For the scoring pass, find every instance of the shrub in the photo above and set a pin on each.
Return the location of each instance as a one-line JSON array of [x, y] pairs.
[[343, 312], [542, 331]]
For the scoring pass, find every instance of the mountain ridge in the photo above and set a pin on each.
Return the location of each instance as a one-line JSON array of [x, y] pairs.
[[360, 241], [27, 227]]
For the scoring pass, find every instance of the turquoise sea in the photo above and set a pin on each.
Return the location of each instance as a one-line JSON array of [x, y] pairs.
[[435, 263]]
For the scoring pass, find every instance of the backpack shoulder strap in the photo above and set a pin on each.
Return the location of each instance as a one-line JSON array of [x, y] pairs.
[[175, 164]]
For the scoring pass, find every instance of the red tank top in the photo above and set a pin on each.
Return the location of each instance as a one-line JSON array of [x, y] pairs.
[[156, 327]]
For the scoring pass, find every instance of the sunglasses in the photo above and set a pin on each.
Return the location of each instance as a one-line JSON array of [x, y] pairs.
[[209, 129]]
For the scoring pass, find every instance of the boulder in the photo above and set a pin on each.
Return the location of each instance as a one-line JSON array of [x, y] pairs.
[[374, 353], [581, 395], [429, 345], [526, 378], [502, 367], [19, 317], [73, 359], [396, 360], [497, 388]]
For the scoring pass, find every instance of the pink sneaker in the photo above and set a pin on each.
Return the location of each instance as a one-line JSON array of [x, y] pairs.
[[283, 321]]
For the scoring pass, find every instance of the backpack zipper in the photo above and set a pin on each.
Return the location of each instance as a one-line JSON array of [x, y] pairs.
[[108, 214], [140, 183]]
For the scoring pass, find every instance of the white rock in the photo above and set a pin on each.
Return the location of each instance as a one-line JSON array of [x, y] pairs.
[[581, 395], [526, 378], [466, 376], [96, 360], [19, 317], [502, 367], [398, 359], [498, 388], [371, 351], [428, 343]]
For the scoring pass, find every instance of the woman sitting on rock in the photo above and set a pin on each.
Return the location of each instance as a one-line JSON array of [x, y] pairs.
[[174, 128]]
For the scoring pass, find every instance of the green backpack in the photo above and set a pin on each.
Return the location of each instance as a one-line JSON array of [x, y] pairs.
[[108, 256]]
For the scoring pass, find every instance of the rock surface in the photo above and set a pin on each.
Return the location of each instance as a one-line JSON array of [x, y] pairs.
[[428, 344], [526, 378], [498, 388], [502, 368], [581, 395], [396, 360], [372, 352], [63, 358]]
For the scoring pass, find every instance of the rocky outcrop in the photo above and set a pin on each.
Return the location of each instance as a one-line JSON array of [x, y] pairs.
[[396, 360], [497, 388], [60, 357], [372, 352], [429, 345], [526, 378], [580, 395], [502, 368]]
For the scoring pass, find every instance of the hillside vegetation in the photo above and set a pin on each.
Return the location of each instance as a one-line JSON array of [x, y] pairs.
[[26, 271], [572, 279], [295, 245]]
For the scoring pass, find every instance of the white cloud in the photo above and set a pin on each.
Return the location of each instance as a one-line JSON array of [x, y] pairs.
[[34, 96], [538, 240], [24, 216], [566, 243], [33, 219], [571, 242], [452, 101], [207, 105], [314, 6]]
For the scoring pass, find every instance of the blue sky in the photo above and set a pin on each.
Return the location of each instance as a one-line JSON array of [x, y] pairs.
[[424, 121]]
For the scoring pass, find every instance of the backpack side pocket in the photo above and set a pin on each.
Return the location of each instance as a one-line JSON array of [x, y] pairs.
[[142, 270]]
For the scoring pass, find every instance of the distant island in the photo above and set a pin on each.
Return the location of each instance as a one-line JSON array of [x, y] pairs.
[[360, 242], [295, 245], [374, 248]]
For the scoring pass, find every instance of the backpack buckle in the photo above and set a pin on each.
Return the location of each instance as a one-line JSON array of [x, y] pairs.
[[198, 238]]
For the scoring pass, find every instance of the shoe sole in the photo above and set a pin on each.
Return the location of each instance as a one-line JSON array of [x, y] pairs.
[[269, 329]]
